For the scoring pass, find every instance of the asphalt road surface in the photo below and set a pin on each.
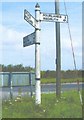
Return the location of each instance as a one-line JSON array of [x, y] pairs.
[[45, 88]]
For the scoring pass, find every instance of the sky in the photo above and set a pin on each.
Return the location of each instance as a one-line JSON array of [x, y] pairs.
[[83, 36], [13, 28]]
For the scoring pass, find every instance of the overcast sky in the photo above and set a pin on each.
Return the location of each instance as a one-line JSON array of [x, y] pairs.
[[13, 28]]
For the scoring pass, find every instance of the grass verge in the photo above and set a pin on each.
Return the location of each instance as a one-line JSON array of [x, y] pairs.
[[68, 106], [53, 80]]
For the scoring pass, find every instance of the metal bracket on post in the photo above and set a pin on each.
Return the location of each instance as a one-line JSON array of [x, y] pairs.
[[37, 43]]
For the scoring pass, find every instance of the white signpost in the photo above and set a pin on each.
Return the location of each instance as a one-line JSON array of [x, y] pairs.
[[51, 17], [34, 38], [29, 40]]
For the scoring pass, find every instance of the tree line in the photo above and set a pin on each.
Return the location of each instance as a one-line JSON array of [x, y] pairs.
[[15, 68], [44, 74], [64, 74]]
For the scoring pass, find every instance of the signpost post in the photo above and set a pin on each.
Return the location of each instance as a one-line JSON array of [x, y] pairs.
[[31, 39], [34, 38], [37, 55]]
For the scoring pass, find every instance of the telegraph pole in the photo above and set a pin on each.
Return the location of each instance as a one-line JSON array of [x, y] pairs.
[[58, 53], [37, 55]]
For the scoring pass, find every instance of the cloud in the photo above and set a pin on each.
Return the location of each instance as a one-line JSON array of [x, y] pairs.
[[10, 38], [11, 47]]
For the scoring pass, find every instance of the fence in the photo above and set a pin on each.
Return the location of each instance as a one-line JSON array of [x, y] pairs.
[[17, 79]]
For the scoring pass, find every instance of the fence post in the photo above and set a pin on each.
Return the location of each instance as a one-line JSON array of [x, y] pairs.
[[78, 85], [30, 83], [10, 85], [2, 83]]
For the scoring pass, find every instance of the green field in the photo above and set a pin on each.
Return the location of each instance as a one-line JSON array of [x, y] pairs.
[[53, 80], [68, 106]]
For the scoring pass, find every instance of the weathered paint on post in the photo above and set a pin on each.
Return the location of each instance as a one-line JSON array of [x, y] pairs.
[[37, 56]]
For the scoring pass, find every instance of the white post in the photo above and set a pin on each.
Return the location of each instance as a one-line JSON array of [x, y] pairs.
[[37, 56]]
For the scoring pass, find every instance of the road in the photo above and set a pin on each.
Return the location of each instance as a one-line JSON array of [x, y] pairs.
[[64, 87], [45, 88]]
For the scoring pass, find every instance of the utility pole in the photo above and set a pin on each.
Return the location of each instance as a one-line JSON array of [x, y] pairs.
[[58, 53], [37, 55]]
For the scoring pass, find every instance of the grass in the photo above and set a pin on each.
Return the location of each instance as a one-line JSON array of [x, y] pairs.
[[68, 106], [53, 80]]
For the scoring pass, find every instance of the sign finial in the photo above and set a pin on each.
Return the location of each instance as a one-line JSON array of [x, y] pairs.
[[37, 5]]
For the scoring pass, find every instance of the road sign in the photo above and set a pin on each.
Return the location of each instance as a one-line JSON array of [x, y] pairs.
[[29, 40], [51, 17], [29, 18]]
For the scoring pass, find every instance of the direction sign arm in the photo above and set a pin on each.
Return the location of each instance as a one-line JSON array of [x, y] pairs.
[[29, 18]]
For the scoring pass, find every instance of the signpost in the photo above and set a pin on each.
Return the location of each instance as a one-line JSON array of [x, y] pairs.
[[37, 56], [29, 40], [34, 38], [51, 17]]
